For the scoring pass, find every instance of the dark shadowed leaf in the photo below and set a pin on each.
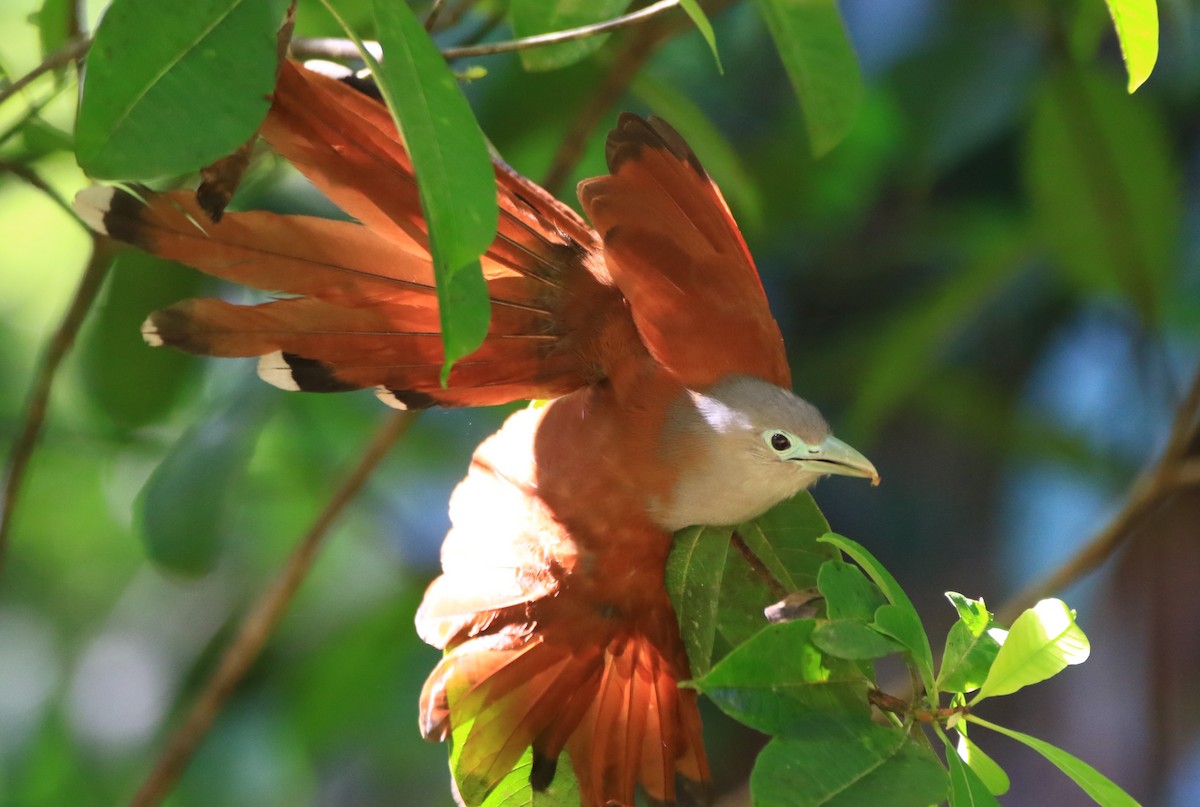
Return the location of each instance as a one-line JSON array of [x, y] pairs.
[[852, 640], [695, 569], [130, 382], [157, 96], [848, 593], [532, 17], [453, 168], [1102, 789], [785, 539], [181, 509], [1104, 191], [820, 62], [847, 762], [778, 679]]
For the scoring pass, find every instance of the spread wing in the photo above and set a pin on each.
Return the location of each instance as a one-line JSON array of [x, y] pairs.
[[674, 251]]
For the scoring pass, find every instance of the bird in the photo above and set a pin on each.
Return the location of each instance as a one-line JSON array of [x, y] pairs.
[[663, 397]]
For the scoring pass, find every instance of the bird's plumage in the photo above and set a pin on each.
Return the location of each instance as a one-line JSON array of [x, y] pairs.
[[652, 335]]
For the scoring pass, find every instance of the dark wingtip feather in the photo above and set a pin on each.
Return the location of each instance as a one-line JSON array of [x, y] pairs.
[[633, 133], [542, 772]]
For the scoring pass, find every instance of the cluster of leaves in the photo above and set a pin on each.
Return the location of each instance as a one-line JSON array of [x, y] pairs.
[[810, 682]]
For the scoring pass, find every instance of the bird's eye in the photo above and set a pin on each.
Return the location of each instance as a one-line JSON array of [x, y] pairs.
[[780, 442]]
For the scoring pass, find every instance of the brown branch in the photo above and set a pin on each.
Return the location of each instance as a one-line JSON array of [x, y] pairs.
[[760, 568], [70, 52], [1173, 472], [435, 11], [259, 623], [39, 392]]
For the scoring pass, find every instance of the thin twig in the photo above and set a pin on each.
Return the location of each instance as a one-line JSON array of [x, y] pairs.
[[70, 52], [778, 592], [1173, 472], [434, 11], [260, 622], [346, 50], [39, 392]]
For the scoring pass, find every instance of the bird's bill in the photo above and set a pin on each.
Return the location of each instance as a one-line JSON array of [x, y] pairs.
[[837, 457]]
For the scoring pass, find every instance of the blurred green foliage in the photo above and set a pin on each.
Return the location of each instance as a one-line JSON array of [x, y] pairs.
[[996, 187]]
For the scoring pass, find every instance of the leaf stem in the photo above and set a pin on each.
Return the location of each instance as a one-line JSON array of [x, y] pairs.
[[258, 625]]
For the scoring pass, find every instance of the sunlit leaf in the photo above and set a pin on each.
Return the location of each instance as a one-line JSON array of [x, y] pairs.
[[848, 762], [694, 572], [514, 789], [181, 508], [966, 788], [991, 774], [1136, 22], [1102, 789], [778, 679], [820, 62], [1041, 643], [1104, 191], [898, 619], [454, 171], [164, 103], [532, 17], [971, 646]]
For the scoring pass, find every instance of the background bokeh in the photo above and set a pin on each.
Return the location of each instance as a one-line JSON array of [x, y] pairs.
[[1007, 359]]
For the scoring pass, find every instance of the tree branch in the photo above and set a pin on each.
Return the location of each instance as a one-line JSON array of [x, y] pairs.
[[70, 52], [264, 615], [1173, 471], [34, 418]]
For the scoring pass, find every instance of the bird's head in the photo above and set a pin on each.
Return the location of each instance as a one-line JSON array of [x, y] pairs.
[[744, 445]]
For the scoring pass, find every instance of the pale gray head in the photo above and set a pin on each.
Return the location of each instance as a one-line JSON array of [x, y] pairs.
[[744, 446]]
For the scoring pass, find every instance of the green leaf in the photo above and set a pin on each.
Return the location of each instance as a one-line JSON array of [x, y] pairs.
[[1042, 642], [721, 159], [856, 641], [785, 539], [778, 679], [1136, 22], [847, 591], [991, 774], [514, 789], [847, 763], [1102, 789], [173, 85], [181, 508], [966, 788], [898, 619], [532, 17], [131, 383], [820, 62], [695, 568], [454, 172], [971, 646], [700, 20], [53, 23], [1103, 187]]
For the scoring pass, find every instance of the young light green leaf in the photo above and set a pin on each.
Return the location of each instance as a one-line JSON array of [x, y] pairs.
[[695, 569], [1136, 22], [164, 103], [898, 619], [991, 774], [454, 171], [971, 646], [533, 17], [848, 763], [966, 788], [1102, 789], [700, 20], [514, 789], [1104, 192], [1042, 642], [820, 63], [778, 679], [181, 508]]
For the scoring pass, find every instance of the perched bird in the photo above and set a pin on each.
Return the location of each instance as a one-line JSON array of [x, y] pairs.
[[671, 406]]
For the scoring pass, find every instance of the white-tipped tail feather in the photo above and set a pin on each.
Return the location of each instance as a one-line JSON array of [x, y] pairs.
[[275, 370], [150, 331], [92, 205], [388, 397]]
